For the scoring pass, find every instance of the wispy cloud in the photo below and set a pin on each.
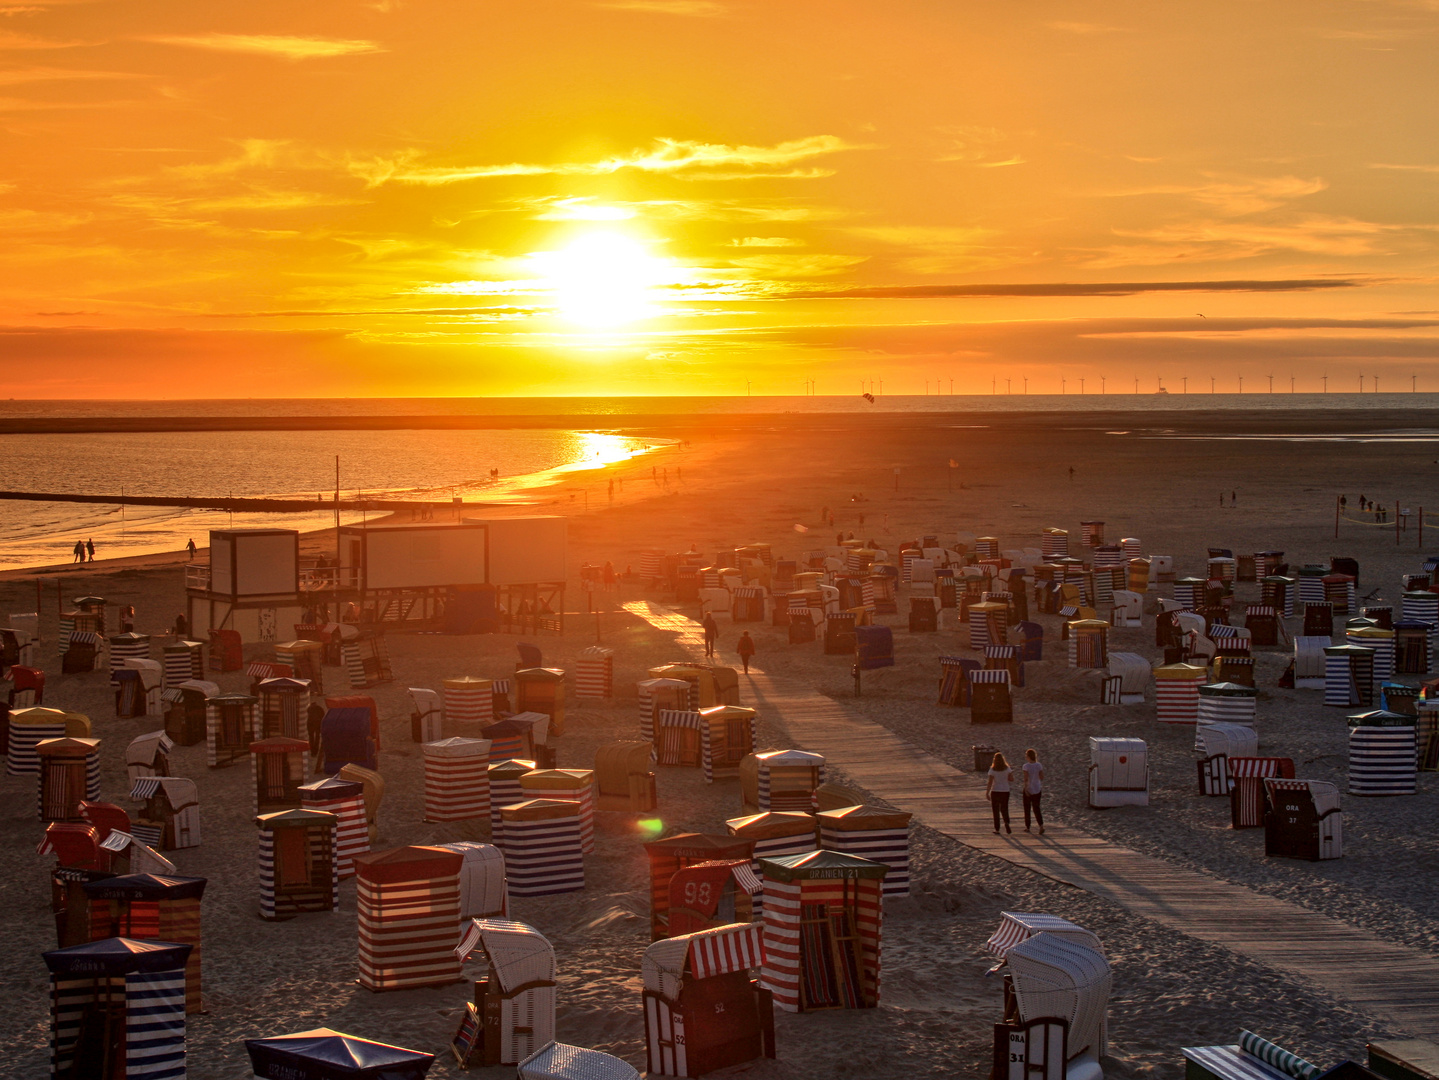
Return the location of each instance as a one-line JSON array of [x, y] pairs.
[[1313, 234], [704, 9], [1235, 195], [1406, 168], [16, 76], [790, 266], [36, 8], [1065, 288], [280, 46], [718, 161], [10, 104], [577, 208], [28, 42], [253, 154], [765, 242]]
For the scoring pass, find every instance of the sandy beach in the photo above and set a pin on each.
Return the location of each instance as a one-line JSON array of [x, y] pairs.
[[763, 479]]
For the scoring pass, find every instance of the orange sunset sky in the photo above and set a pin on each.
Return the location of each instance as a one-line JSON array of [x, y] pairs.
[[436, 197]]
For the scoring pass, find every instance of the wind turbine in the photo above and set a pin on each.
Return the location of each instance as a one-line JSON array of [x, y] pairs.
[[1271, 383]]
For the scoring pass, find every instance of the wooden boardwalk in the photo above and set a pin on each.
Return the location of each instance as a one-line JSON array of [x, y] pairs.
[[1396, 985]]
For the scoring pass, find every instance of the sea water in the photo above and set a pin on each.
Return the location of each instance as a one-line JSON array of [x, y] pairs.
[[436, 466]]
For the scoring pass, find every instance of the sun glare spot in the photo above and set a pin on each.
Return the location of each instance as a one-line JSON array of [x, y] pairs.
[[597, 448], [603, 279]]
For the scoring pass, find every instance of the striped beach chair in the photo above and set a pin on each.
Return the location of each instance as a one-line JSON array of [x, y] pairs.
[[1252, 1058], [1246, 787]]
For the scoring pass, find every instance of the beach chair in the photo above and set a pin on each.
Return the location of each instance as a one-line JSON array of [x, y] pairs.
[[702, 1010], [1302, 820], [1252, 1058], [516, 999], [1246, 787]]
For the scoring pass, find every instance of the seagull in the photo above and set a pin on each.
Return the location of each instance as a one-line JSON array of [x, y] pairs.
[[1201, 314]]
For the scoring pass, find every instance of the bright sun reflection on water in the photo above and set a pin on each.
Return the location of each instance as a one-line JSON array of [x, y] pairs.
[[600, 449]]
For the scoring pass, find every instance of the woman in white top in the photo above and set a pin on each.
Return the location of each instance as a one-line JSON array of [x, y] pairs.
[[1033, 788], [997, 791]]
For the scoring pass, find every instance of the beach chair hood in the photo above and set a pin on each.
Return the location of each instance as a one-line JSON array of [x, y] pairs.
[[518, 953], [703, 954], [1053, 976], [1016, 927]]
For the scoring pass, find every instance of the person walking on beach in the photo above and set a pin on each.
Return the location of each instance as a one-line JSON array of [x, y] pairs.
[[996, 790], [90, 547], [190, 547], [79, 551], [1033, 788], [745, 648], [711, 633]]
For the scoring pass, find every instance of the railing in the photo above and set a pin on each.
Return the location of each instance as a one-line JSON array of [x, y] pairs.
[[312, 578], [328, 578]]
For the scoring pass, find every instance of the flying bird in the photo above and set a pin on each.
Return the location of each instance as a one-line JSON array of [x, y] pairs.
[[1201, 314]]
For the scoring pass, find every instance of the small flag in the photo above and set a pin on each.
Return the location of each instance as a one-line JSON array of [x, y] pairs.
[[953, 464]]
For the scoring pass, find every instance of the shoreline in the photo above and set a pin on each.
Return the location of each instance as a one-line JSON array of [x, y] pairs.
[[554, 483]]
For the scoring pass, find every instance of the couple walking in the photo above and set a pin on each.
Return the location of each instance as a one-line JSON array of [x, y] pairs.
[[745, 645], [996, 789]]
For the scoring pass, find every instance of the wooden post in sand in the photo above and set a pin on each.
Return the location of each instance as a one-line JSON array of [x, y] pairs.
[[1336, 517]]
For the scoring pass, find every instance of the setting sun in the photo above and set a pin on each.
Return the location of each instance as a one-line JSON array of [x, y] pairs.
[[603, 279]]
